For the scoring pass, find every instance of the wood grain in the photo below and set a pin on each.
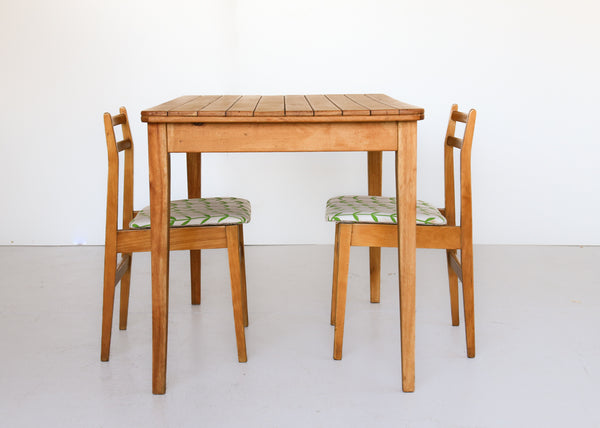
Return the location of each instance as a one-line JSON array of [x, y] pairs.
[[220, 106], [402, 107], [406, 189], [297, 105], [244, 106], [347, 106], [322, 106], [194, 105], [164, 108], [279, 106], [270, 105], [374, 106], [282, 137]]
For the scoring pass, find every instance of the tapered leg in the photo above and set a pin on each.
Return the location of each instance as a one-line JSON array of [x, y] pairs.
[[124, 301], [374, 171], [336, 255], [406, 178], [108, 300], [159, 166], [243, 274], [194, 163], [345, 234], [453, 283], [468, 297], [235, 270]]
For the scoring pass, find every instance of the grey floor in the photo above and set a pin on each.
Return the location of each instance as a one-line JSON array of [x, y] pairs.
[[537, 363]]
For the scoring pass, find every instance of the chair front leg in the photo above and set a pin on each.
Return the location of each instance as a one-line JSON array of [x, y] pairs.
[[345, 234], [108, 300], [124, 301], [235, 270], [453, 284], [335, 272], [243, 274]]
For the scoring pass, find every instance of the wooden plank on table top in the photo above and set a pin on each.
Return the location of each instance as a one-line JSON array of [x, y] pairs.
[[220, 106], [297, 105], [404, 108], [163, 109], [322, 106], [192, 107], [270, 105], [348, 107], [244, 106], [375, 107]]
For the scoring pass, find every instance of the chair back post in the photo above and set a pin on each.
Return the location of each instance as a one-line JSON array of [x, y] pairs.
[[112, 191], [449, 196], [113, 148], [466, 208], [127, 172]]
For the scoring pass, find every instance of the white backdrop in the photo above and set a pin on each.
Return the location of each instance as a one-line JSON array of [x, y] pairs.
[[530, 68]]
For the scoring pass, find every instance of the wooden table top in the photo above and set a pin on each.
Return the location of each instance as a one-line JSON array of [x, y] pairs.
[[281, 107]]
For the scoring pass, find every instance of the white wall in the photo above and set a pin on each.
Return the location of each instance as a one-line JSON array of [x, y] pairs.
[[531, 68]]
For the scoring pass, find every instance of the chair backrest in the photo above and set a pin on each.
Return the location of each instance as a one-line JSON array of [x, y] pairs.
[[463, 144], [114, 147]]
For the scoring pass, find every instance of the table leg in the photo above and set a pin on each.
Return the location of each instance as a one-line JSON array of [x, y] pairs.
[[194, 162], [406, 190], [374, 171], [159, 166]]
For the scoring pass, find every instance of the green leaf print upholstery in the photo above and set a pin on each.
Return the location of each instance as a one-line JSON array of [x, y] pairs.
[[200, 212], [377, 209]]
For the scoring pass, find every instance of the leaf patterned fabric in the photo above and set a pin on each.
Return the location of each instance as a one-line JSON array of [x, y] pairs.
[[377, 209], [200, 212]]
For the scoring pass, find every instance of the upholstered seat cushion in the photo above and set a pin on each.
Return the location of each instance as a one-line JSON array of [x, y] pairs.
[[377, 209], [200, 212]]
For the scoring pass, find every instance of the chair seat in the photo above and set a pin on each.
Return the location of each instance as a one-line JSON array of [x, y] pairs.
[[200, 212], [377, 209]]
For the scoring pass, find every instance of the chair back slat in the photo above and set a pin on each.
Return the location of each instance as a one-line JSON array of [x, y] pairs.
[[459, 116], [124, 145], [118, 119], [454, 142]]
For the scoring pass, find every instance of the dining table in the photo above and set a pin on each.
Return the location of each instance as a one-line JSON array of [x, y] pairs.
[[196, 124]]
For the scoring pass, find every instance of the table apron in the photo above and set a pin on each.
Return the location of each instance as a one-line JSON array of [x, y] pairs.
[[282, 137]]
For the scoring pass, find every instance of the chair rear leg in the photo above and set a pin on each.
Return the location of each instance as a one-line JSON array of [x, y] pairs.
[[124, 301], [374, 171], [194, 184], [375, 272], [468, 298], [453, 283], [233, 250], [108, 300], [195, 269], [335, 272], [345, 233]]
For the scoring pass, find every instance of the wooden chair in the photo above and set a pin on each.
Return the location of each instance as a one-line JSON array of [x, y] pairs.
[[200, 223], [371, 221]]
